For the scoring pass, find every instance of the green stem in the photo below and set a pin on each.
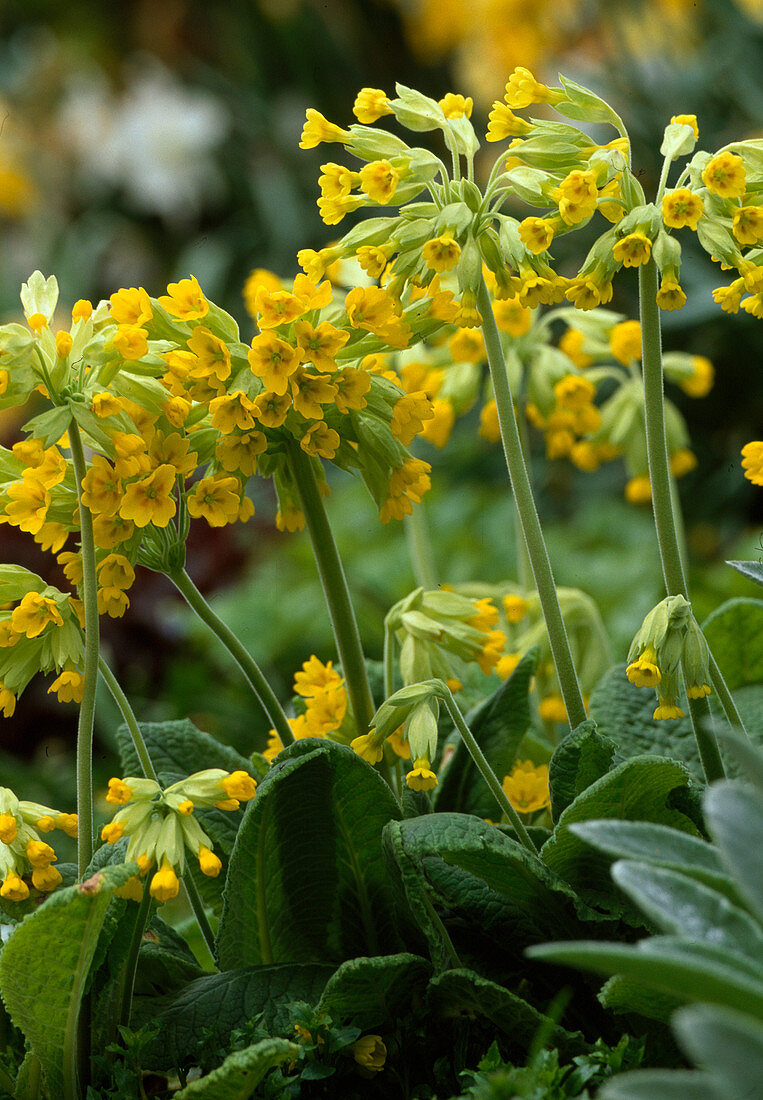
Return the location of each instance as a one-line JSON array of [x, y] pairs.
[[420, 548], [335, 590], [128, 716], [488, 774], [662, 500], [89, 589], [524, 568], [131, 965], [528, 515], [194, 898], [266, 697]]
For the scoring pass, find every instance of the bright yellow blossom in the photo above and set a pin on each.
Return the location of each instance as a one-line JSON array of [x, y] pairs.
[[185, 300], [216, 499], [527, 787], [682, 207], [725, 176], [150, 500]]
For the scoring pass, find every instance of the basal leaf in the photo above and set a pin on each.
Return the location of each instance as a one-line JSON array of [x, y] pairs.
[[734, 632], [241, 1072], [677, 904], [581, 757], [498, 724], [307, 880], [667, 1084], [203, 1014], [728, 1045], [44, 968], [621, 994], [369, 992], [751, 569], [640, 789]]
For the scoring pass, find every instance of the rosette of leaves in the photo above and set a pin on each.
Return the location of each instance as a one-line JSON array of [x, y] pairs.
[[704, 970]]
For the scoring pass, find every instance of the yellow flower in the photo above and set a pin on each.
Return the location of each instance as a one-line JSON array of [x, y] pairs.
[[164, 884], [379, 181], [465, 346], [318, 129], [576, 196], [507, 664], [747, 225], [150, 500], [667, 709], [320, 440], [725, 176], [370, 104], [522, 89], [625, 342], [309, 392], [28, 504], [552, 709], [638, 490], [574, 391], [503, 123], [272, 408], [682, 462], [185, 300], [217, 499], [512, 316], [82, 310], [527, 787], [682, 207], [260, 276], [752, 461], [421, 777], [687, 120], [209, 863], [644, 672], [632, 250], [437, 430], [670, 296], [213, 355], [370, 1052], [64, 344], [68, 686], [408, 416], [131, 341], [34, 613], [536, 233], [490, 428], [515, 607], [700, 382], [351, 385], [320, 345], [456, 106], [129, 306], [367, 747], [277, 307], [441, 254], [14, 888], [274, 361]]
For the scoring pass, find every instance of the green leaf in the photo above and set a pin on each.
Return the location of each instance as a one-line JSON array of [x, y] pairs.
[[498, 725], [747, 756], [50, 425], [641, 789], [667, 1084], [661, 847], [690, 972], [475, 889], [178, 749], [370, 992], [582, 756], [751, 569], [44, 967], [307, 880], [203, 1014], [241, 1072], [461, 992], [735, 819], [727, 1044], [166, 962], [624, 995], [734, 632], [677, 904]]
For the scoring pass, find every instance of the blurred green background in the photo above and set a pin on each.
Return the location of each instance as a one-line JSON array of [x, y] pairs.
[[143, 142]]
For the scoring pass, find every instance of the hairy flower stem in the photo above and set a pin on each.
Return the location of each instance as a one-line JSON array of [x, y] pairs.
[[420, 549], [528, 515], [335, 590], [488, 774], [266, 697], [524, 569], [662, 500], [89, 590], [147, 767]]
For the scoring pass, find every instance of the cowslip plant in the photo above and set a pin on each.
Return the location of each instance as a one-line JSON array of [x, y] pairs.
[[345, 893]]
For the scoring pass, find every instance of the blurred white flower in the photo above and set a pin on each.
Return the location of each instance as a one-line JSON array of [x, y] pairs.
[[154, 141]]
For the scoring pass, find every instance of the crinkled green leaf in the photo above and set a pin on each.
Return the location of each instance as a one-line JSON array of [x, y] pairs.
[[241, 1072], [677, 904], [44, 968], [624, 995], [307, 880], [205, 1012], [751, 569], [50, 425], [640, 789], [498, 725], [370, 992], [461, 992], [690, 972], [735, 819], [734, 632], [581, 757]]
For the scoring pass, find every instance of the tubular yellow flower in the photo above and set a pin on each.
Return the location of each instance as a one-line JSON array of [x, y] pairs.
[[370, 1052], [638, 490], [14, 888], [625, 342], [209, 863], [185, 300], [320, 440], [667, 709], [747, 225], [725, 176], [421, 777], [644, 672], [379, 181], [681, 208], [64, 344], [164, 884], [456, 106], [576, 196], [503, 123], [512, 316], [700, 382], [367, 747], [408, 416], [441, 254], [33, 614], [515, 608], [8, 828], [82, 310], [131, 341], [682, 462], [215, 498], [522, 89], [536, 233], [670, 296], [632, 250], [318, 129], [131, 306], [687, 120], [274, 361], [437, 430], [752, 461], [119, 793], [552, 709], [68, 686], [239, 785], [150, 500], [574, 391], [527, 787], [370, 105], [46, 878]]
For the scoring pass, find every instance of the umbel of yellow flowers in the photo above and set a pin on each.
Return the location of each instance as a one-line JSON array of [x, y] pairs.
[[668, 639], [23, 854], [160, 824]]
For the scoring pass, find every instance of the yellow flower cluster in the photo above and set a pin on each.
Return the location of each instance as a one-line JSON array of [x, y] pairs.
[[23, 855], [160, 825], [325, 698], [668, 640], [752, 461]]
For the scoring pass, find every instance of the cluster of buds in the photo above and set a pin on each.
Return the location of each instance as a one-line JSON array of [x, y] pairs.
[[40, 631], [22, 852], [410, 713], [324, 711], [160, 824], [438, 633], [669, 641]]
